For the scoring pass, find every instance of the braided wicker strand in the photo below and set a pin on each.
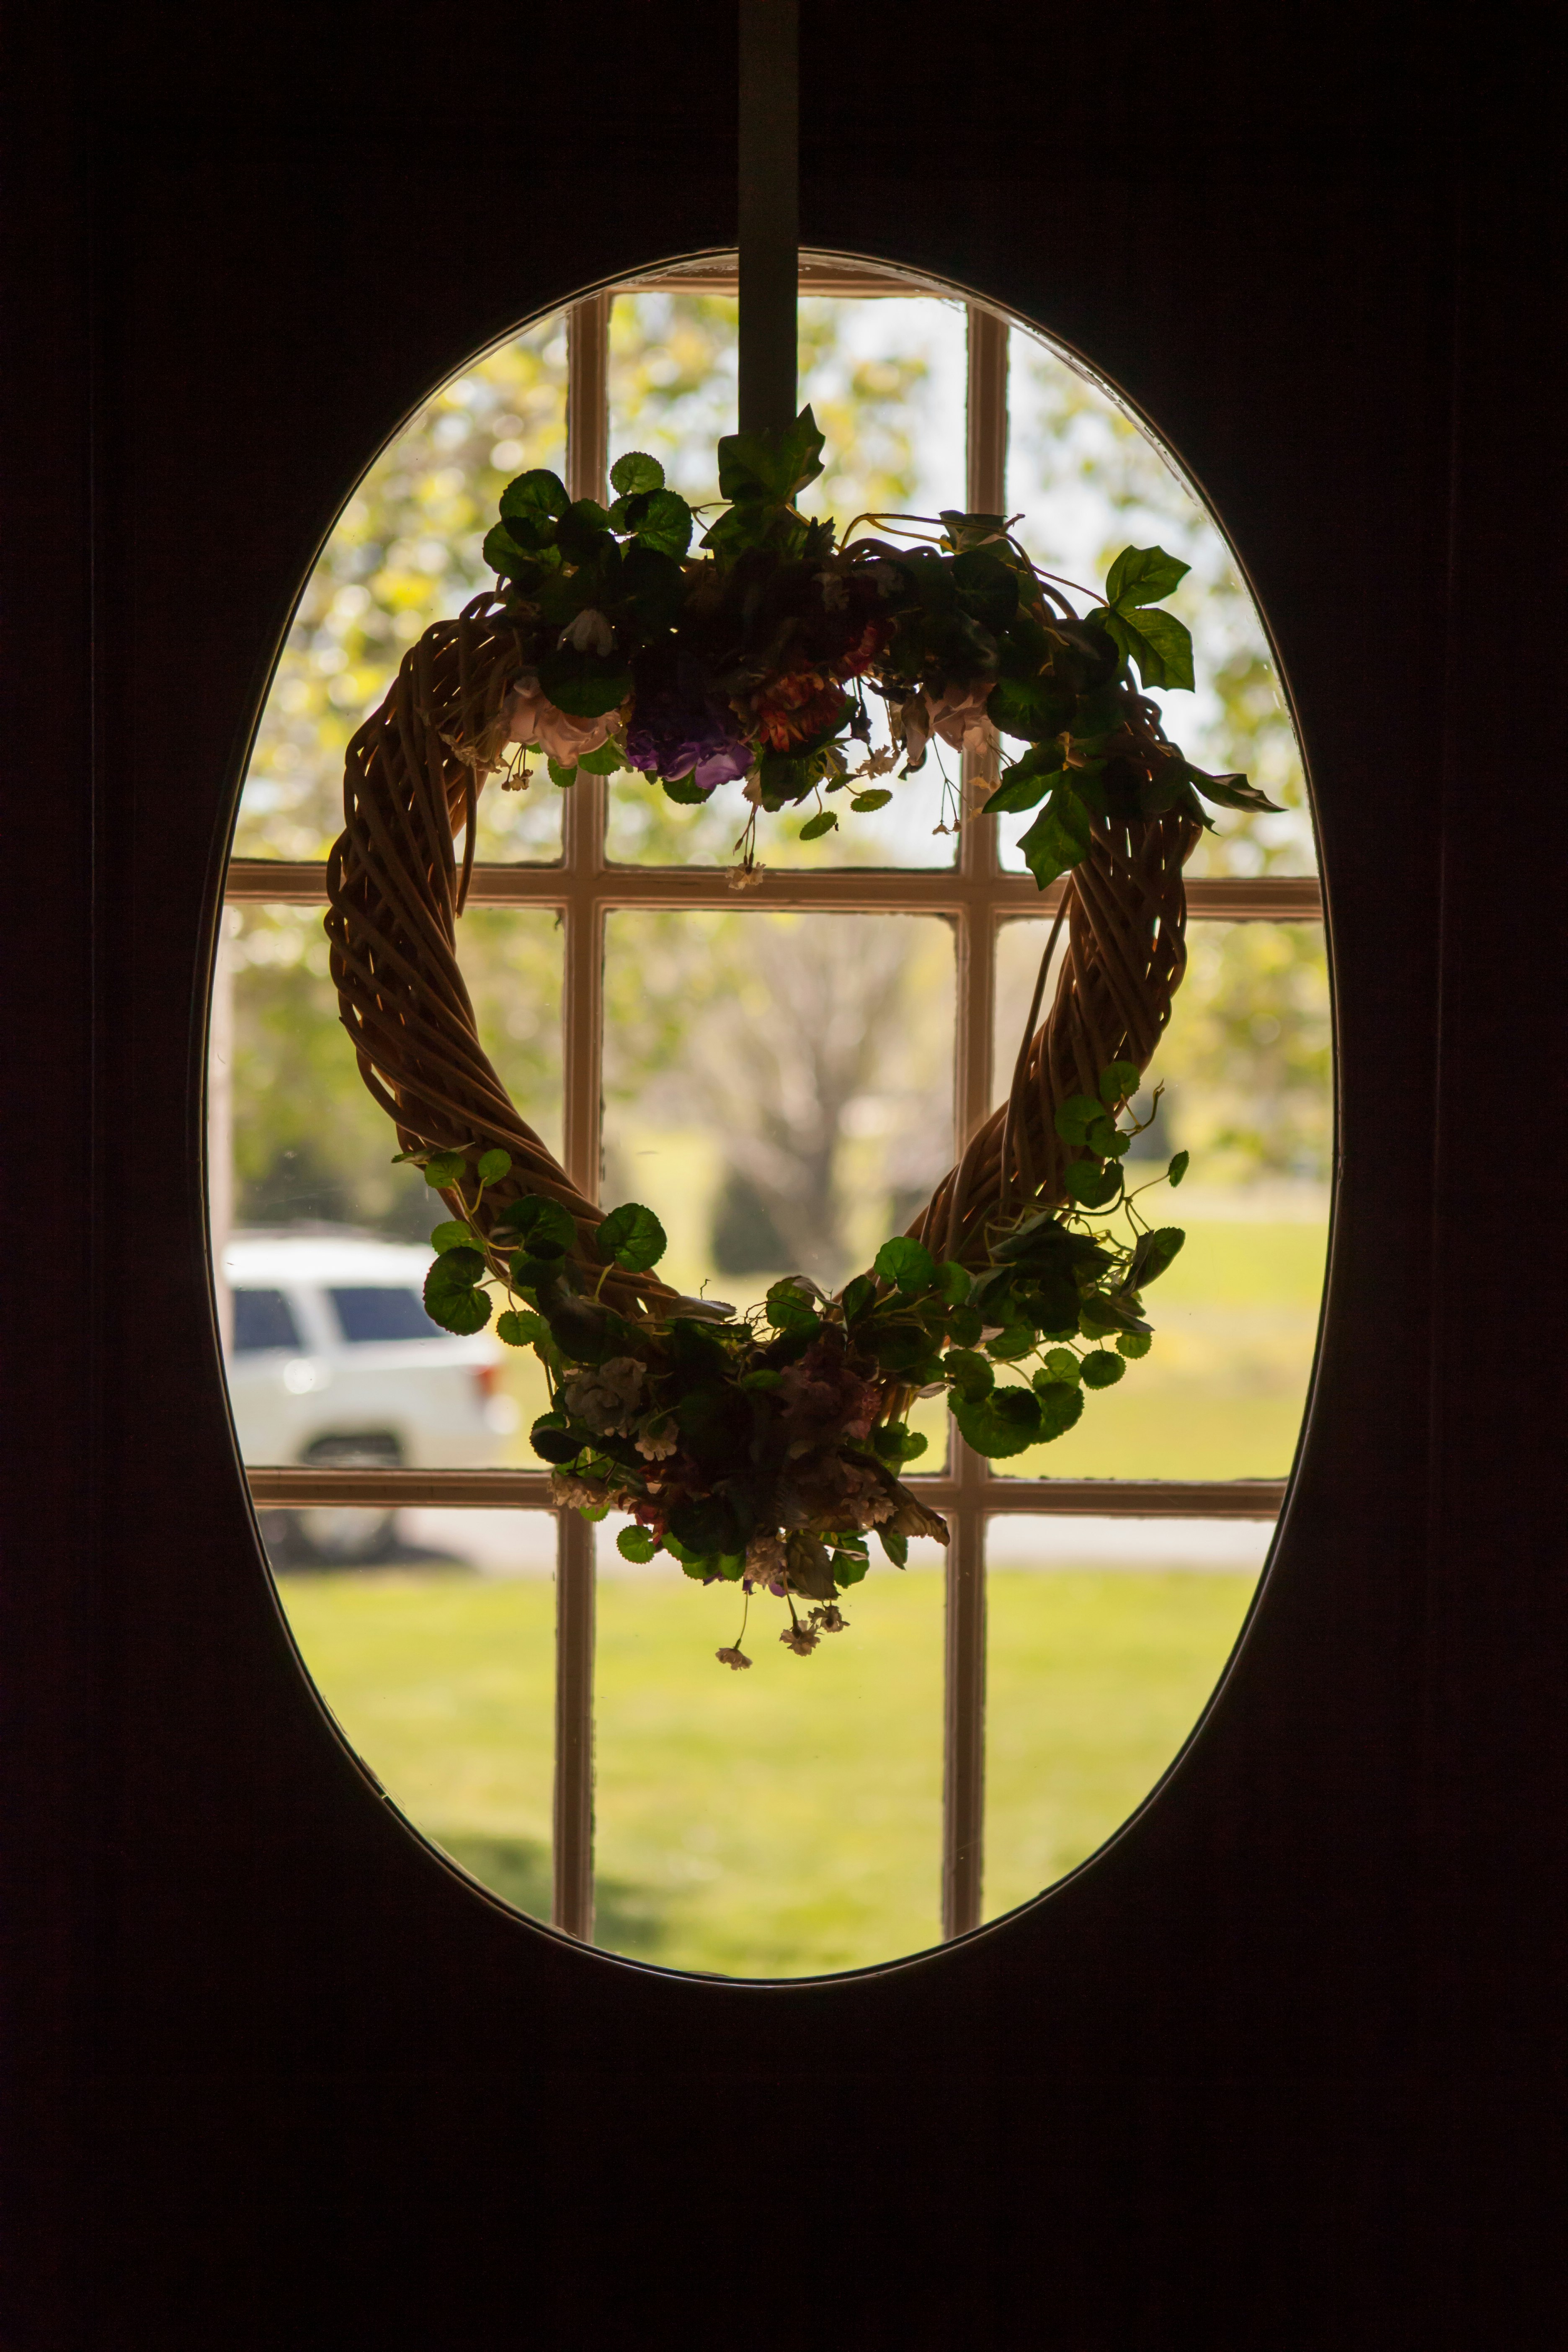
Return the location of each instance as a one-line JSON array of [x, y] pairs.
[[412, 781]]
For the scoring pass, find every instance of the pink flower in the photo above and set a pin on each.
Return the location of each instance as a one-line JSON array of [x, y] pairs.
[[532, 717]]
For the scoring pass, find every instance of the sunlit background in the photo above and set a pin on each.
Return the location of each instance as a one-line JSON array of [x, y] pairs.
[[779, 1089]]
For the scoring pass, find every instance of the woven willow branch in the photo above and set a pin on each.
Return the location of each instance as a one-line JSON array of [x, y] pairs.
[[411, 780]]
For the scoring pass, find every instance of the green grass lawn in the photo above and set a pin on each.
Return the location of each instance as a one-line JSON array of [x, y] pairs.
[[780, 1821]]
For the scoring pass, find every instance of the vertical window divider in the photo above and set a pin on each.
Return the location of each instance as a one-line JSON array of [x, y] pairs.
[[963, 1710], [583, 1019]]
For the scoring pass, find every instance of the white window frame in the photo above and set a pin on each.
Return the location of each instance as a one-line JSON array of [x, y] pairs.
[[976, 896]]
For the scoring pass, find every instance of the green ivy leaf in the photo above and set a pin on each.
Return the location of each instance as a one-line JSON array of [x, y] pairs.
[[1091, 1185], [896, 1547], [849, 1568], [790, 1308], [859, 1296], [964, 1325], [1153, 1253], [1231, 791], [969, 1373], [1060, 1364], [908, 1264], [494, 1165], [1101, 1369], [1144, 576], [541, 1228], [537, 493], [632, 1236], [501, 553], [636, 1543], [445, 1167], [1118, 1080], [1061, 1408], [1178, 1167], [1006, 1421], [451, 1234], [521, 1328], [1015, 1339], [1075, 1117], [635, 472], [955, 1281], [1058, 839], [451, 1298], [1158, 643], [665, 526], [1022, 787], [1134, 1343]]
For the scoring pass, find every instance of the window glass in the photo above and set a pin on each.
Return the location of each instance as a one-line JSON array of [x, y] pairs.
[[1104, 1640], [406, 551], [438, 1664], [262, 1319], [370, 1311], [1246, 1069], [778, 1088], [885, 379], [777, 1822], [1087, 481], [321, 1213]]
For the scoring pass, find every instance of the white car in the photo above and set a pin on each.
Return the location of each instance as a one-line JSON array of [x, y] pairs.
[[333, 1358]]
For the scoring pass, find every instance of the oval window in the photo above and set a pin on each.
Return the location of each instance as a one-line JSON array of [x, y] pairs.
[[780, 1074]]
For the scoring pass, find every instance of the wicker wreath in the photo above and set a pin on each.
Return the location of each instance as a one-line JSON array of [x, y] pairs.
[[765, 1448], [413, 774]]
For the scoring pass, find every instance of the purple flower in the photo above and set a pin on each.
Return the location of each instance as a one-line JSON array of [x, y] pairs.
[[681, 728]]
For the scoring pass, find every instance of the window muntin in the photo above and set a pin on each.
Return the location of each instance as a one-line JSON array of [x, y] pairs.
[[976, 898]]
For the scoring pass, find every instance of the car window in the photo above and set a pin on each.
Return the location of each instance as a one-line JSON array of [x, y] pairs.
[[263, 1319], [382, 1311]]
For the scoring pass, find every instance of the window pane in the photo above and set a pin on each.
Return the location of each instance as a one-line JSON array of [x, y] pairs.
[[1246, 1065], [1104, 1640], [406, 551], [439, 1667], [886, 381], [778, 1821], [779, 1090], [1088, 482], [335, 1236], [262, 1319]]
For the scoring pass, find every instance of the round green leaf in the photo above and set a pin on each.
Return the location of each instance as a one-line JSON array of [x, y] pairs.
[[969, 1373], [1061, 1405], [636, 1543], [790, 1309], [632, 1236], [540, 1226], [1075, 1117], [1006, 1421], [563, 777], [1101, 1369], [451, 1234], [1092, 1186], [1134, 1343], [863, 802], [521, 1328], [552, 1440], [665, 526], [816, 826], [906, 1264], [445, 1167], [493, 1166], [631, 476], [1178, 1167], [1060, 1364], [450, 1296], [1118, 1080]]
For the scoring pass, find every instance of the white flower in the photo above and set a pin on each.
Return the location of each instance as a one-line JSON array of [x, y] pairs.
[[578, 1494], [590, 633], [766, 1558], [835, 591], [877, 763], [532, 717], [605, 1398], [959, 716], [657, 1439], [747, 877]]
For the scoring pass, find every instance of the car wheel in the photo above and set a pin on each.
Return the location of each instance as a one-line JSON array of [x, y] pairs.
[[344, 1535]]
